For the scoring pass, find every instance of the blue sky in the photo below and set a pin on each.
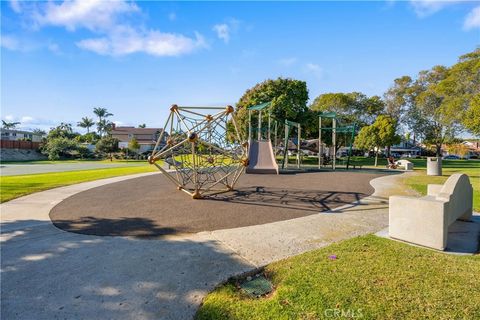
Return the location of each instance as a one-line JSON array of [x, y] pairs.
[[59, 60]]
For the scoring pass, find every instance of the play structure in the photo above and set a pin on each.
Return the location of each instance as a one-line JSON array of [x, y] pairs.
[[261, 158], [265, 146], [206, 157]]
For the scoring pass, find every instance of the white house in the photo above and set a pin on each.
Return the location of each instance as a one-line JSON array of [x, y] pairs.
[[15, 135]]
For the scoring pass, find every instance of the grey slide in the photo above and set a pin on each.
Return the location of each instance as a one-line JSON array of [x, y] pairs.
[[261, 158]]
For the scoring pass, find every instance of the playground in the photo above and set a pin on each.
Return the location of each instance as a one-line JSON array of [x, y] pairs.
[[206, 161]]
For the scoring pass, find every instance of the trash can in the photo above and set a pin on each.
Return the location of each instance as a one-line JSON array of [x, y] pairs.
[[434, 166]]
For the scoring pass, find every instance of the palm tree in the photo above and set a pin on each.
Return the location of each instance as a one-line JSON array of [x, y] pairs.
[[102, 113], [9, 125], [86, 123], [104, 126]]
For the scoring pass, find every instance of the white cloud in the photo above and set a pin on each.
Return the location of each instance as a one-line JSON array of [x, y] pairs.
[[126, 40], [287, 62], [9, 42], [90, 14], [9, 117], [110, 37], [223, 31], [15, 6], [473, 19], [425, 8], [314, 69]]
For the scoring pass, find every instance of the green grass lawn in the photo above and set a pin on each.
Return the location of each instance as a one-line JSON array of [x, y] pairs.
[[471, 168], [372, 278], [12, 187]]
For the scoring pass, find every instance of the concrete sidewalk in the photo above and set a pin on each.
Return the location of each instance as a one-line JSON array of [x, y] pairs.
[[48, 273]]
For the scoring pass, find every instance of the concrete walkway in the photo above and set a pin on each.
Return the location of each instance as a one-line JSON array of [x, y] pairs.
[[48, 273]]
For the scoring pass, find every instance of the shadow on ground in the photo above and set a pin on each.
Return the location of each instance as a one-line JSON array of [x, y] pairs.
[[50, 274]]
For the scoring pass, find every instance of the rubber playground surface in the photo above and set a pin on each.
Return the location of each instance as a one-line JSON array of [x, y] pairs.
[[151, 206]]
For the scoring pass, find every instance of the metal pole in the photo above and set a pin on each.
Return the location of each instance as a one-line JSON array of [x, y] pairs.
[[269, 119], [259, 134], [275, 142], [320, 147], [299, 129], [249, 126], [334, 139]]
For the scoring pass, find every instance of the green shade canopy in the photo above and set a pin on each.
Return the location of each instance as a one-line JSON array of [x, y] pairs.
[[328, 115], [260, 106]]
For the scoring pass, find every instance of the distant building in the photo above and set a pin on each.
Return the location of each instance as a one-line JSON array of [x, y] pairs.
[[406, 148], [18, 135], [146, 137]]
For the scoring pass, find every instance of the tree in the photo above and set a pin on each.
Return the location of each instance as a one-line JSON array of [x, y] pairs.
[[9, 125], [428, 115], [39, 132], [86, 123], [471, 119], [380, 134], [397, 98], [60, 142], [143, 125], [59, 147], [102, 123], [134, 145], [288, 96], [354, 107], [107, 145], [460, 90]]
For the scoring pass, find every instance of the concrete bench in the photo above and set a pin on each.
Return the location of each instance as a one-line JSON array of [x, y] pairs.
[[407, 165], [425, 220]]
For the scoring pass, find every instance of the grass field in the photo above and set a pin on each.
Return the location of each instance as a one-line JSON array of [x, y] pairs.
[[372, 278], [12, 187], [420, 180]]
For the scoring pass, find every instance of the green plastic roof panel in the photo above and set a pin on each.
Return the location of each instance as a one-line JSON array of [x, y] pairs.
[[260, 106], [328, 115]]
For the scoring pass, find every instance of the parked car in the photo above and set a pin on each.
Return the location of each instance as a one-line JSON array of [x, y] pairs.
[[451, 157]]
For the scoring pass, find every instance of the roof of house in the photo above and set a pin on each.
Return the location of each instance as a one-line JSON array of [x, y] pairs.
[[133, 130]]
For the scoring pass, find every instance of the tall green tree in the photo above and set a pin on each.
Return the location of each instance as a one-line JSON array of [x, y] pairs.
[[428, 115], [9, 125], [354, 107], [380, 134], [102, 124], [460, 91], [86, 123], [288, 96]]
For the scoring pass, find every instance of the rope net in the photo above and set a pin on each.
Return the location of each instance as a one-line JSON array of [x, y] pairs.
[[204, 149]]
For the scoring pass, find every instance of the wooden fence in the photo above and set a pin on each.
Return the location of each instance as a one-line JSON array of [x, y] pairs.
[[13, 144]]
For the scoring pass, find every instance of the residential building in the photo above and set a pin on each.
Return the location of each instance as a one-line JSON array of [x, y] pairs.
[[406, 148], [19, 135], [146, 137]]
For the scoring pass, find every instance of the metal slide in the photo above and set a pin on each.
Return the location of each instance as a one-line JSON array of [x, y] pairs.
[[261, 158]]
